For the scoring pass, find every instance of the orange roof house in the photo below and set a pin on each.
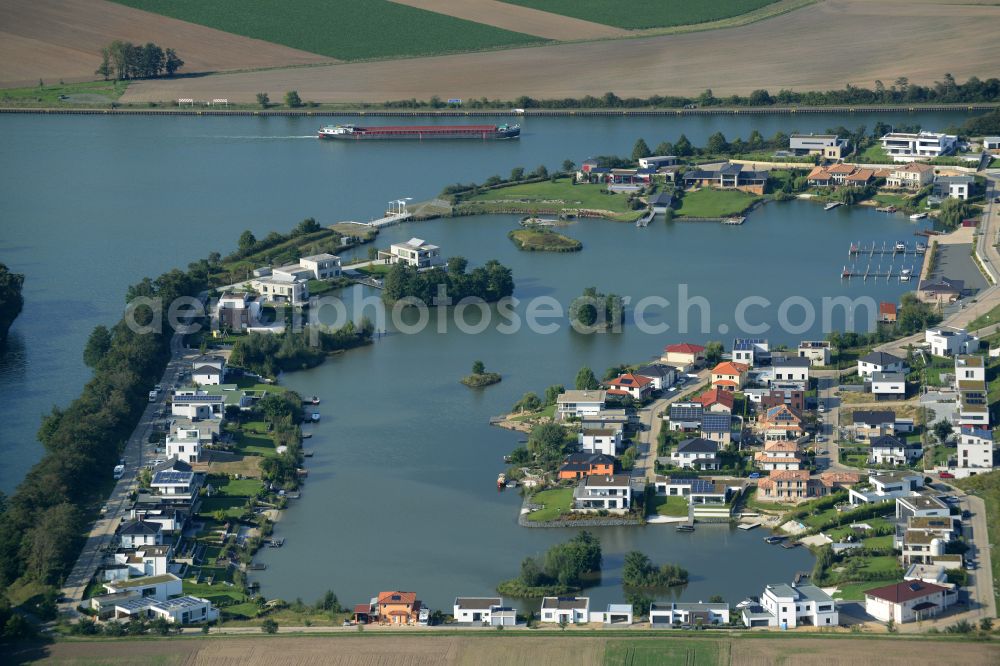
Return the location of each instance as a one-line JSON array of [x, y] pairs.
[[819, 176], [394, 607], [780, 422], [684, 354], [579, 465], [717, 400], [887, 312], [729, 375], [634, 386], [860, 177]]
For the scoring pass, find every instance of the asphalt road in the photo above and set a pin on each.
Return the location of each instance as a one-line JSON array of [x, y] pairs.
[[138, 451], [645, 464]]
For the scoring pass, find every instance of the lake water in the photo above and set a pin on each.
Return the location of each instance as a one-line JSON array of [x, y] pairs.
[[401, 489]]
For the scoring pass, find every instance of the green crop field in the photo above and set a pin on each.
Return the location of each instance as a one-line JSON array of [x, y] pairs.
[[639, 14], [340, 28]]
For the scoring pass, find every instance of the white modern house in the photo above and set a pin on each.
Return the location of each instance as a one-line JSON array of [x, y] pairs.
[[696, 453], [887, 487], [196, 405], [817, 351], [880, 362], [661, 374], [488, 611], [956, 187], [950, 341], [174, 481], [280, 288], [891, 450], [580, 404], [888, 385], [828, 146], [657, 161], [751, 351], [415, 252], [688, 614], [155, 588], [600, 440], [975, 451], [920, 506], [185, 445], [322, 266], [909, 146], [574, 610], [236, 311], [788, 370], [614, 615], [178, 610], [969, 369], [908, 601], [790, 606], [599, 492]]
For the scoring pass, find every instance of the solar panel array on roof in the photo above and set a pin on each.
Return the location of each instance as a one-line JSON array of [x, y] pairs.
[[716, 422], [172, 477], [686, 412]]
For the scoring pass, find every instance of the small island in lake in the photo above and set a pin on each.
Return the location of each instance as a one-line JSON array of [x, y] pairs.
[[534, 238], [479, 377]]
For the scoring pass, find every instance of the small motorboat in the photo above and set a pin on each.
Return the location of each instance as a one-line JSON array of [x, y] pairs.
[[773, 539], [918, 216], [905, 274], [685, 528], [315, 400], [921, 247], [315, 416], [501, 481], [900, 246]]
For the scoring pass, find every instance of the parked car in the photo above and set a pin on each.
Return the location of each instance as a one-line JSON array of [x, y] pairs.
[[946, 475], [754, 475], [966, 514]]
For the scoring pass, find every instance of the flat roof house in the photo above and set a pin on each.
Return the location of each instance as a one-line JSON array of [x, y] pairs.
[[920, 506], [908, 146], [572, 610], [599, 440], [196, 405], [178, 610], [888, 385], [956, 187], [828, 146], [184, 445], [887, 487], [415, 252], [950, 341], [976, 450], [817, 351], [236, 311], [280, 288], [790, 606], [611, 492], [580, 404], [751, 351], [157, 588], [688, 614]]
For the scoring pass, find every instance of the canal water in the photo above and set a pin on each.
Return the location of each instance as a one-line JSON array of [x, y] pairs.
[[401, 489]]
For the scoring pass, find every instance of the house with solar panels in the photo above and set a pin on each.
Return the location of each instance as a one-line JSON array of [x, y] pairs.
[[174, 481], [717, 427], [751, 351], [197, 405], [686, 416]]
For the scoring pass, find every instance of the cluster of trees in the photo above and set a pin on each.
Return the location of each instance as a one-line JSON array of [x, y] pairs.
[[900, 91], [564, 568], [530, 402], [11, 300], [124, 61], [268, 354], [490, 282], [480, 377], [249, 244], [41, 525], [984, 125], [639, 572], [548, 444], [953, 211], [596, 311]]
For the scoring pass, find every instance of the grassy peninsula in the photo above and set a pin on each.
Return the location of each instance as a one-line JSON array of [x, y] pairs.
[[558, 196], [539, 239]]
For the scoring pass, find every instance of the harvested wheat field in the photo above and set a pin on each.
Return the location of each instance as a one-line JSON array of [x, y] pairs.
[[483, 649], [62, 39], [519, 19], [795, 50]]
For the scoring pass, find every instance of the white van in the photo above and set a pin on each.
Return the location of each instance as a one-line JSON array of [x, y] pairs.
[[152, 395], [119, 471]]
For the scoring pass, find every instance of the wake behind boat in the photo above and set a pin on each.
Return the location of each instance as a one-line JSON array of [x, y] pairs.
[[419, 132]]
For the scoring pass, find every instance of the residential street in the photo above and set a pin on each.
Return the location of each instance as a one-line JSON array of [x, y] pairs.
[[137, 452], [645, 467]]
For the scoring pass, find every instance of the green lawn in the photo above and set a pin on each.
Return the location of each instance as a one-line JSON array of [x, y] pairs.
[[232, 506], [897, 200], [991, 317], [877, 522], [253, 443], [668, 506], [343, 29], [545, 412], [881, 564], [94, 93], [375, 269], [708, 202], [658, 651], [645, 13], [236, 487], [873, 155], [556, 195], [856, 591], [555, 501]]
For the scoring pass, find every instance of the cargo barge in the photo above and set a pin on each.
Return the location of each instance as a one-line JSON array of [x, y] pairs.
[[419, 132]]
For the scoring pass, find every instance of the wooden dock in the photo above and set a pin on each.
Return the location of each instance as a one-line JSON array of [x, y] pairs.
[[893, 249], [873, 273]]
